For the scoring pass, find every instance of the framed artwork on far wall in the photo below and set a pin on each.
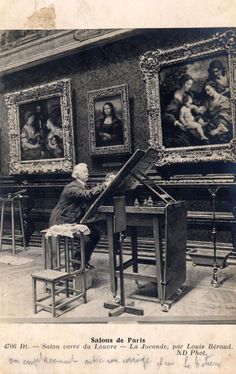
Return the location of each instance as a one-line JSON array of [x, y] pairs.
[[191, 94], [40, 129], [109, 121]]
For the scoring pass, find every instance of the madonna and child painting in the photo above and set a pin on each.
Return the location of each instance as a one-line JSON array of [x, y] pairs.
[[195, 103]]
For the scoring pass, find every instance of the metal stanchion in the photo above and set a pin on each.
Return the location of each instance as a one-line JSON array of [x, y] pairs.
[[215, 279]]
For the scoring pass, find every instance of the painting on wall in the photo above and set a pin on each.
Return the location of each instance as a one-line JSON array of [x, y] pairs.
[[109, 124], [195, 103], [40, 129], [191, 100]]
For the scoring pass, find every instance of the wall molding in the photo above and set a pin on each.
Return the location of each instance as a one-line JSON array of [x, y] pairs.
[[55, 46]]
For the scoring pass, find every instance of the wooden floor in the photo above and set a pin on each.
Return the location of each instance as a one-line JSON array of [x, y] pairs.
[[200, 301]]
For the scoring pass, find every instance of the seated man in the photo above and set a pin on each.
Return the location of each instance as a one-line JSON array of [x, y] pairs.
[[73, 203]]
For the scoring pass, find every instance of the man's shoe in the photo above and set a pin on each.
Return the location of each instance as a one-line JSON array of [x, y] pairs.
[[89, 266]]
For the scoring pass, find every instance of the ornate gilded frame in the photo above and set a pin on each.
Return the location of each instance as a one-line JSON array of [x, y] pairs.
[[60, 91], [118, 96], [151, 64]]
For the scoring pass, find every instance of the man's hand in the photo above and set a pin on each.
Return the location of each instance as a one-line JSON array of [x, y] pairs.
[[109, 178]]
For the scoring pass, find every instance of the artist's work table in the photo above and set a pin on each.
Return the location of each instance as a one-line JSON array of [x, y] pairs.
[[163, 214], [167, 222]]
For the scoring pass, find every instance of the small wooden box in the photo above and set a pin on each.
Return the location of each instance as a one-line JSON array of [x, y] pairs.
[[90, 276], [206, 257]]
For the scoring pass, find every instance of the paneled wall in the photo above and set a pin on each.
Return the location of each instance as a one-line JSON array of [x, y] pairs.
[[104, 66]]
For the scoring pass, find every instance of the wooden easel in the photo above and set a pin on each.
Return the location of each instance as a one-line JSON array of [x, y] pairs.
[[119, 229]]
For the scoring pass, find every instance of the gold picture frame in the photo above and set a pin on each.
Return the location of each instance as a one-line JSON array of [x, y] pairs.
[[41, 129], [214, 139]]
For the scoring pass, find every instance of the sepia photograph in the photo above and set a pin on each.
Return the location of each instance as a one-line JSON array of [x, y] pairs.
[[145, 229], [117, 197]]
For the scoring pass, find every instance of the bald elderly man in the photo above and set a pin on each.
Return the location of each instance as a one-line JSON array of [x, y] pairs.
[[73, 204]]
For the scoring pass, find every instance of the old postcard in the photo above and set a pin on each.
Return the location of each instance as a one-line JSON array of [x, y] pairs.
[[117, 132]]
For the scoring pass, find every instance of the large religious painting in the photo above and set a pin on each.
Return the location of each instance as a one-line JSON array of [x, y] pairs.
[[109, 129], [40, 129], [191, 92]]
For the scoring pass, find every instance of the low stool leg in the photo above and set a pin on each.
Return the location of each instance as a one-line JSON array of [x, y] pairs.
[[67, 262], [85, 290], [47, 288], [57, 252], [53, 252], [1, 228], [72, 253], [34, 295], [44, 248], [13, 227], [67, 288], [82, 255], [53, 301]]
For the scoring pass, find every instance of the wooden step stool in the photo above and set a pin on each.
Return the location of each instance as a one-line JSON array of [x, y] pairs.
[[13, 201], [59, 282], [57, 275]]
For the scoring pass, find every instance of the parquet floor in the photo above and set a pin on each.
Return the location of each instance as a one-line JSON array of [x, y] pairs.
[[200, 301]]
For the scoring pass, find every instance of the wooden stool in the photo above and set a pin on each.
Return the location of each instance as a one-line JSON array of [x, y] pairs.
[[58, 252], [54, 278], [58, 270], [13, 201]]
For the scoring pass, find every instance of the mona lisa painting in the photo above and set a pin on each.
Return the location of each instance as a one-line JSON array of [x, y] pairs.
[[109, 120]]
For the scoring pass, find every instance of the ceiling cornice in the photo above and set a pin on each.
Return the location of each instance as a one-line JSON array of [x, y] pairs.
[[57, 45]]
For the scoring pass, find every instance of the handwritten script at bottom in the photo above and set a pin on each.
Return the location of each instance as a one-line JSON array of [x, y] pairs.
[[144, 361]]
